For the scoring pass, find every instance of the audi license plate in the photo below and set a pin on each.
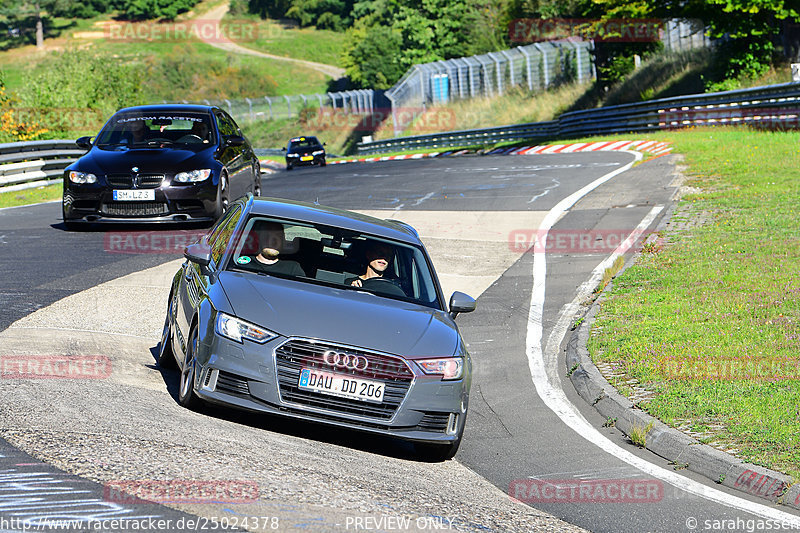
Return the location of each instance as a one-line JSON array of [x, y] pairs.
[[134, 195], [307, 158], [343, 386]]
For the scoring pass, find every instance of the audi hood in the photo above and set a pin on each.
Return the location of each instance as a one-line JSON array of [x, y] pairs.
[[351, 317]]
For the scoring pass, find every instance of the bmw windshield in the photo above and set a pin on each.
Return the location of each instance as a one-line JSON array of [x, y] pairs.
[[335, 257], [188, 130]]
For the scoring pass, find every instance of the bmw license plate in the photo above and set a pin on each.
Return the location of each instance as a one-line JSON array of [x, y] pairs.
[[343, 386], [307, 158], [134, 195]]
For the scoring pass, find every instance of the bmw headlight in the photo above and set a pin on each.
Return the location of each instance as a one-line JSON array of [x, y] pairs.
[[236, 329], [193, 176], [318, 152], [292, 155], [447, 367], [81, 177]]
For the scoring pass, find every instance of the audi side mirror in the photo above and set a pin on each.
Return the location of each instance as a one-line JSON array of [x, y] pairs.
[[199, 253], [461, 303]]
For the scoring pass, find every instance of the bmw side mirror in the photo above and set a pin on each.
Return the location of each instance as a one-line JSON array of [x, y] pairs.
[[234, 140], [198, 253], [461, 303], [84, 142]]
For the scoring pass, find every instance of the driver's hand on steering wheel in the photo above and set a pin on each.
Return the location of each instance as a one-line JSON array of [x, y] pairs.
[[356, 283]]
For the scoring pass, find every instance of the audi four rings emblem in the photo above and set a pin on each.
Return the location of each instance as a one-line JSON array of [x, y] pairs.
[[345, 360]]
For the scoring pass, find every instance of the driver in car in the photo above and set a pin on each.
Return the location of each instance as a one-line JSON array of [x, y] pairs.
[[379, 255]]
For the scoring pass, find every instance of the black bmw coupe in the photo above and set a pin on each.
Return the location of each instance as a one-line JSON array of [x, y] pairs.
[[160, 163]]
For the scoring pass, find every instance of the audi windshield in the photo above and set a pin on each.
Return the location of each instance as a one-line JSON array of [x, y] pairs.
[[335, 257]]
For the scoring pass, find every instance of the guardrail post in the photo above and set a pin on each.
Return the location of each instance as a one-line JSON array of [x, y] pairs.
[[546, 67], [498, 74], [269, 103], [289, 107], [510, 66], [319, 97], [578, 62], [250, 106], [527, 66], [395, 126]]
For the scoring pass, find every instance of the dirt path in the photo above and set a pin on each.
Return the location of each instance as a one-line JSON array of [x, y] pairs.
[[229, 46]]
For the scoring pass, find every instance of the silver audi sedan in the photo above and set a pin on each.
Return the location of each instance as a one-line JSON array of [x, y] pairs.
[[320, 314]]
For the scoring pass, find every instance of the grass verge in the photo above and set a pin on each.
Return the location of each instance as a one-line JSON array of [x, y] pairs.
[[283, 39], [31, 196], [710, 322]]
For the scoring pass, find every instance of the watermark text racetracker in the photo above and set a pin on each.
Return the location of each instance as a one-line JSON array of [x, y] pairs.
[[586, 491], [731, 369], [572, 241], [180, 491], [529, 30], [206, 30], [55, 367], [150, 242]]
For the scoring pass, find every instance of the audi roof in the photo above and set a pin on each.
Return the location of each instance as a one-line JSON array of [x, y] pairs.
[[338, 218]]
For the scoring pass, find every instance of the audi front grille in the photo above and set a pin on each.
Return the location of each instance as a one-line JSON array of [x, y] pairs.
[[296, 354]]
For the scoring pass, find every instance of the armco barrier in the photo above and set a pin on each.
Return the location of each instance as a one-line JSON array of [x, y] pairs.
[[772, 106], [30, 164]]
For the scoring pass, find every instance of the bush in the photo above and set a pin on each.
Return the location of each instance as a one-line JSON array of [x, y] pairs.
[[76, 90]]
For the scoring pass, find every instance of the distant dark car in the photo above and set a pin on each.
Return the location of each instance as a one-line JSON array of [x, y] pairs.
[[268, 314], [304, 151], [160, 163]]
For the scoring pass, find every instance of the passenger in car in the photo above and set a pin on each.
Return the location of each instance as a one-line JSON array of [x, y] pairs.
[[271, 239]]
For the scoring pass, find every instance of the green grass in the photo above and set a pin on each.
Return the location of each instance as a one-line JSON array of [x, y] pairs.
[[726, 289], [272, 37], [31, 196], [212, 73]]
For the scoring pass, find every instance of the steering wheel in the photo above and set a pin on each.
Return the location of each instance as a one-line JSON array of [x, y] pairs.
[[190, 138], [383, 285]]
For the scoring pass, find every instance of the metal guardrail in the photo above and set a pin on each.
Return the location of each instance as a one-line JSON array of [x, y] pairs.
[[772, 106], [31, 164]]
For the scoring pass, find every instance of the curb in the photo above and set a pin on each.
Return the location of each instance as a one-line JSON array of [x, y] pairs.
[[678, 448], [653, 147]]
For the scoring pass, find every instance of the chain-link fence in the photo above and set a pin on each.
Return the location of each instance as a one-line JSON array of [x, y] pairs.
[[680, 35], [273, 107], [536, 66]]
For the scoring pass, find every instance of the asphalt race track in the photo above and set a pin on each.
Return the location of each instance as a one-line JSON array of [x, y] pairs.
[[103, 294]]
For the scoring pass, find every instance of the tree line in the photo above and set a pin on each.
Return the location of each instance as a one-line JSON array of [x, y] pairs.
[[386, 37]]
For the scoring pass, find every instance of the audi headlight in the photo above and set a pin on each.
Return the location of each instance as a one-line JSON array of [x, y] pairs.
[[235, 329], [193, 176], [447, 367], [81, 177], [318, 152]]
